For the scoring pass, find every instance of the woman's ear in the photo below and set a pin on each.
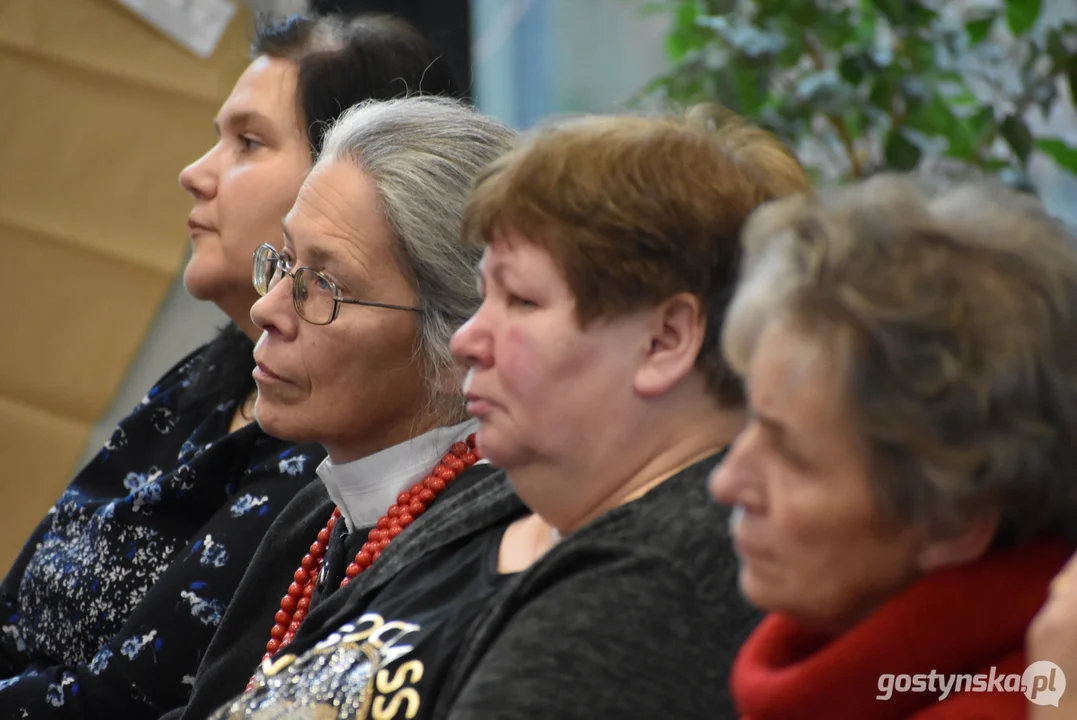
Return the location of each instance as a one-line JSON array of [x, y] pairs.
[[965, 545], [677, 327]]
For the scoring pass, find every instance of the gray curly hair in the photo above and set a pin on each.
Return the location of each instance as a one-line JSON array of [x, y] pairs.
[[955, 322]]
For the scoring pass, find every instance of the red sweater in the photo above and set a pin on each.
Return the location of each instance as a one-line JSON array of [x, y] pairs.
[[961, 620]]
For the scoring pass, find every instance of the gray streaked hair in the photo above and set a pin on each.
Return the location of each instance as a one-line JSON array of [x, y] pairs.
[[422, 154], [953, 319]]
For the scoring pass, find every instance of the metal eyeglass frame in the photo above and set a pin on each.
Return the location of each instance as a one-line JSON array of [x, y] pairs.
[[337, 298]]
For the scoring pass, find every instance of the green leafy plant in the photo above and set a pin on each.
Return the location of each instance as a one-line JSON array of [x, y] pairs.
[[861, 85]]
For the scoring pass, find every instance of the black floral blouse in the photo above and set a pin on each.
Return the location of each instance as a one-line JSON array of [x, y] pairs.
[[115, 597]]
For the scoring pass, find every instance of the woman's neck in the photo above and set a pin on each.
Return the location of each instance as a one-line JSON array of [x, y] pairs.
[[676, 455], [531, 537], [244, 414], [648, 457], [238, 310]]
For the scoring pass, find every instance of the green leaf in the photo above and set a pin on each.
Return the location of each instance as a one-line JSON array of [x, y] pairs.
[[835, 30], [1060, 151], [685, 34], [921, 13], [963, 97], [962, 143], [793, 50], [855, 120], [979, 29], [851, 69], [981, 124], [1017, 136], [1057, 49], [933, 118], [687, 15], [1021, 15], [805, 13], [921, 55], [1071, 76], [750, 94], [676, 46], [866, 26], [892, 10], [901, 153], [882, 93]]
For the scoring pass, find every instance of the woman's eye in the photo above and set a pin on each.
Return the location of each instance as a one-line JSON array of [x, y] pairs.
[[248, 143], [520, 302]]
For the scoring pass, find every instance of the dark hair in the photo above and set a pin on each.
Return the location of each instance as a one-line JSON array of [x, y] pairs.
[[342, 61]]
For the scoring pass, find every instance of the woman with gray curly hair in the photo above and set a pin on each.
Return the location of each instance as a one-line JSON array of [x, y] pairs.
[[903, 489], [358, 309]]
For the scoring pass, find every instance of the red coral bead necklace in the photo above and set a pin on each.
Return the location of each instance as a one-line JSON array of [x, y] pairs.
[[409, 505]]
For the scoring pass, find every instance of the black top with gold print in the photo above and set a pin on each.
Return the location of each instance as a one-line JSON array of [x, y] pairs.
[[636, 615], [383, 663]]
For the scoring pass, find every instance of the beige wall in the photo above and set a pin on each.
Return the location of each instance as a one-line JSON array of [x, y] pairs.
[[98, 112], [181, 325]]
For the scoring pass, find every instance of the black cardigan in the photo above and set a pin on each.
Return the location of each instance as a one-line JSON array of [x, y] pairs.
[[239, 644]]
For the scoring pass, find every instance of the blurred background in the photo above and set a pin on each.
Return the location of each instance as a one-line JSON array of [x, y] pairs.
[[104, 101]]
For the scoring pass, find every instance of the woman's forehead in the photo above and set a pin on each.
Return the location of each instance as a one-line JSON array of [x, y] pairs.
[[265, 90], [337, 219]]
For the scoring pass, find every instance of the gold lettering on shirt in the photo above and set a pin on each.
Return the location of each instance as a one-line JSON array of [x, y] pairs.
[[313, 688], [408, 695], [386, 686]]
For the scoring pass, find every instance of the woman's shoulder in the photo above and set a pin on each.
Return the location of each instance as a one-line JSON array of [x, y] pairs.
[[183, 372], [210, 376], [170, 390], [675, 530]]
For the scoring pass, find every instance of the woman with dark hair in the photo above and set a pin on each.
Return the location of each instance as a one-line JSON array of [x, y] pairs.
[[114, 599]]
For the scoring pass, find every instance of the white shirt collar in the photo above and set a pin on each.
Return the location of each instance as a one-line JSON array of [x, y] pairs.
[[364, 489]]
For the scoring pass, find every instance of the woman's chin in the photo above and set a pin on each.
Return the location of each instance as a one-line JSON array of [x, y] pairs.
[[491, 446], [754, 590], [198, 283], [276, 423]]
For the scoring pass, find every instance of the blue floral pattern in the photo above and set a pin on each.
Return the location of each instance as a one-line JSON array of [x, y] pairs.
[[129, 574]]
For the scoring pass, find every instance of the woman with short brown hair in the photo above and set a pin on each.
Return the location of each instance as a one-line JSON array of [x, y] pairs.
[[592, 578]]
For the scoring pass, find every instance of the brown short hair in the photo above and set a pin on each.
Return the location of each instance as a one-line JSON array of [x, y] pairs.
[[954, 321], [634, 210]]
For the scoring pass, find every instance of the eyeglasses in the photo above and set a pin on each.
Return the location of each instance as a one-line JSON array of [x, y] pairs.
[[316, 298]]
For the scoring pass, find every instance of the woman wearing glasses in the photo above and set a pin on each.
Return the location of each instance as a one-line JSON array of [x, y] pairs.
[[357, 312], [115, 597]]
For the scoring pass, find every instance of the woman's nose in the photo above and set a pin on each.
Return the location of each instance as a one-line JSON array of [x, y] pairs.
[[471, 343], [274, 312], [200, 177], [735, 480]]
